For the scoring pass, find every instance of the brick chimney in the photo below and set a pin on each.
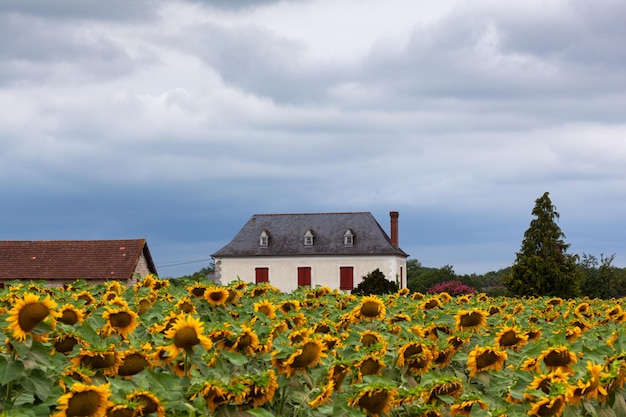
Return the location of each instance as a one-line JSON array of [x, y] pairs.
[[393, 215]]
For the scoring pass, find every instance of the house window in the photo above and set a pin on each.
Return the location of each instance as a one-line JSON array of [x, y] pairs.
[[308, 238], [261, 275], [348, 238], [346, 278], [304, 276], [264, 239]]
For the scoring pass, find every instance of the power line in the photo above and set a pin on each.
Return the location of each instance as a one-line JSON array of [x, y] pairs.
[[184, 263]]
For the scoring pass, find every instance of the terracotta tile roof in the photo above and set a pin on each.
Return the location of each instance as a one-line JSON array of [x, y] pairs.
[[72, 259]]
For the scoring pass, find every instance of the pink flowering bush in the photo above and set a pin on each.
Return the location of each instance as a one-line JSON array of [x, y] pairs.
[[452, 288]]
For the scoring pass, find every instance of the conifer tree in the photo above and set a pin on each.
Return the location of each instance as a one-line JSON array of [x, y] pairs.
[[542, 266]]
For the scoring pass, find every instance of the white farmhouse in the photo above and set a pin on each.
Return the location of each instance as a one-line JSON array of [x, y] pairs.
[[329, 249]]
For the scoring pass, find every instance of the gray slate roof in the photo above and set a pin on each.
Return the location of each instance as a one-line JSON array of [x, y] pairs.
[[287, 231]]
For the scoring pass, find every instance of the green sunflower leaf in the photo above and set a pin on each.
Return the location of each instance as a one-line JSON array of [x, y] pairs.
[[10, 370]]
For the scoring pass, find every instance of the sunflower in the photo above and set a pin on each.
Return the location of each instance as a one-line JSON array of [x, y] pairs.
[[196, 290], [417, 296], [431, 304], [125, 409], [306, 355], [85, 297], [485, 358], [583, 310], [446, 387], [416, 356], [167, 324], [260, 389], [373, 341], [592, 388], [464, 299], [247, 341], [84, 400], [216, 296], [133, 361], [369, 365], [404, 292], [150, 403], [337, 373], [371, 308], [511, 338], [217, 393], [121, 320], [186, 305], [545, 383], [375, 400], [548, 406], [559, 357], [185, 334], [464, 408], [115, 286], [443, 357], [143, 305], [65, 343], [324, 396], [470, 319], [266, 308], [106, 360], [27, 313], [70, 315]]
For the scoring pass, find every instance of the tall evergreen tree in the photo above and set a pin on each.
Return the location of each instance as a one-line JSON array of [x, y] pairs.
[[543, 267]]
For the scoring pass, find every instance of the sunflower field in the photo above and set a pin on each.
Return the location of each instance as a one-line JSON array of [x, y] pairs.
[[186, 348]]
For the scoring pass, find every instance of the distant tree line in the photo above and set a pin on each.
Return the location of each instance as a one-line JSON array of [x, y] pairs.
[[542, 267]]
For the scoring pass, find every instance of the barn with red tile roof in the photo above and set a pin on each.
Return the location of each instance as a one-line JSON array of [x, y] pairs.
[[60, 262]]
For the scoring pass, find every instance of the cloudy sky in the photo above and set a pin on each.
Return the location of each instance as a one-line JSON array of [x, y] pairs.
[[178, 120]]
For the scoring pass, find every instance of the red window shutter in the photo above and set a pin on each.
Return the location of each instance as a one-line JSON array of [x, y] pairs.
[[304, 276], [346, 278], [262, 275]]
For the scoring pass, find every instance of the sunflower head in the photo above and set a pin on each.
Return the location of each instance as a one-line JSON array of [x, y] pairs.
[[370, 308], [375, 400], [27, 313], [471, 319], [511, 338], [196, 290], [120, 320], [150, 403], [84, 400], [133, 362], [558, 357], [485, 358], [265, 308], [186, 333], [70, 315], [217, 296]]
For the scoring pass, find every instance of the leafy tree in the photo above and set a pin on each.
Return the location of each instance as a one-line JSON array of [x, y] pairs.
[[427, 277], [375, 283], [543, 267], [600, 278]]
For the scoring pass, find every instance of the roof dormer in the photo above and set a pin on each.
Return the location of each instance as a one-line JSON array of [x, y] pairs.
[[348, 238], [308, 238], [264, 239]]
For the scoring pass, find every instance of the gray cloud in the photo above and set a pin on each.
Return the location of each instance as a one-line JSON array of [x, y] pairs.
[[180, 120]]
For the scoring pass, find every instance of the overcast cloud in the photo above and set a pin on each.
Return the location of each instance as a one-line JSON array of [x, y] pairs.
[[178, 120]]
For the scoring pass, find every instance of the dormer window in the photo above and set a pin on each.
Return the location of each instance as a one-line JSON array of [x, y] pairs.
[[348, 238], [308, 238], [264, 239]]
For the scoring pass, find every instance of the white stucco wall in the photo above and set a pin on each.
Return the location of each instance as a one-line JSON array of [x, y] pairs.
[[283, 271]]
